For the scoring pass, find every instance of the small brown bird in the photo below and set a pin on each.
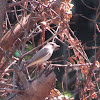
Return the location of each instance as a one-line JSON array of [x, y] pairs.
[[44, 54]]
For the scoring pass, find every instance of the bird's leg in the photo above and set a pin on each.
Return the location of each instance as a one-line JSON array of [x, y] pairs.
[[46, 64]]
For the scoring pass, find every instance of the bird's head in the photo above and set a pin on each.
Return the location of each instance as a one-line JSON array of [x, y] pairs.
[[53, 45]]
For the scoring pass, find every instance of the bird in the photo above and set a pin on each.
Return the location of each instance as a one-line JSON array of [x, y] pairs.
[[43, 54]]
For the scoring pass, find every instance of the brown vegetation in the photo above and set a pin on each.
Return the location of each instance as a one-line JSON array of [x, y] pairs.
[[36, 18]]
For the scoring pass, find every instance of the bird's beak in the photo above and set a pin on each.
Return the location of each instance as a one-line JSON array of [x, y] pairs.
[[57, 46]]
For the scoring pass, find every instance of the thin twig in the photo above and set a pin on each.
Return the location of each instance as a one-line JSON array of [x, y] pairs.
[[70, 65], [88, 6]]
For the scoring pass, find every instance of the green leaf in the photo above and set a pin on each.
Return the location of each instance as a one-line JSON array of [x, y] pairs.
[[17, 54], [30, 47], [67, 94]]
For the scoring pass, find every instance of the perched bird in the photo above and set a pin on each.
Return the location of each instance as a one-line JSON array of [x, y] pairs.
[[43, 54]]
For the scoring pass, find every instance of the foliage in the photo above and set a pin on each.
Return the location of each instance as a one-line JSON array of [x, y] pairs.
[[28, 26]]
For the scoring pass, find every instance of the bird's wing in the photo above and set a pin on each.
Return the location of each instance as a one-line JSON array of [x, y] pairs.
[[43, 52]]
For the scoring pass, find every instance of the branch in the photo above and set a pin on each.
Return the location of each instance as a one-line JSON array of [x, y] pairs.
[[3, 5], [39, 88], [71, 65]]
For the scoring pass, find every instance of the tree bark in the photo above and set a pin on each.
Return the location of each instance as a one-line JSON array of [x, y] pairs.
[[3, 5], [38, 89]]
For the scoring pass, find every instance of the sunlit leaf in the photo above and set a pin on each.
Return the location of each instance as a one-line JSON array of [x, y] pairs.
[[17, 54]]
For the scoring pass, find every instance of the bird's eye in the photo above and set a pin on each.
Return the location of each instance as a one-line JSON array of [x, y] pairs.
[[52, 44]]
